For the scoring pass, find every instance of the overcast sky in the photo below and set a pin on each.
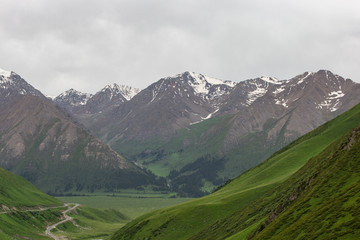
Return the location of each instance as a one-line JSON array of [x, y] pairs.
[[60, 44]]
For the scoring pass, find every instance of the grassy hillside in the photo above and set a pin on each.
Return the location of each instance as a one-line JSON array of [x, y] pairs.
[[15, 191], [18, 198], [321, 201], [231, 203], [25, 212]]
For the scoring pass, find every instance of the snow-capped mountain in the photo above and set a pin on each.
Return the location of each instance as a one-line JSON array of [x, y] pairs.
[[296, 106], [247, 92], [125, 93], [4, 73], [189, 98], [189, 115], [179, 100], [123, 90], [73, 98], [204, 86], [12, 85], [84, 103], [251, 119]]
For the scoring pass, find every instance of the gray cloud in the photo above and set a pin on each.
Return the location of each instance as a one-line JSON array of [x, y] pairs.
[[56, 45]]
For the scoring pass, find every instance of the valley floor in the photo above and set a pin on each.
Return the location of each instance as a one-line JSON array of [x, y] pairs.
[[99, 216], [131, 205]]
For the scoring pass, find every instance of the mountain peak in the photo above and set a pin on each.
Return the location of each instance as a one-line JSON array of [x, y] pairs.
[[199, 82], [72, 91], [5, 73], [272, 80], [12, 84], [126, 91], [113, 86], [73, 97]]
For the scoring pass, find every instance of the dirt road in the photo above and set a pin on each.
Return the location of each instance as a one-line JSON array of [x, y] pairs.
[[66, 218]]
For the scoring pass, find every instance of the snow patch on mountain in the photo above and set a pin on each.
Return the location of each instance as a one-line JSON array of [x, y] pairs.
[[204, 118], [336, 95], [272, 80], [282, 102], [126, 91], [202, 84], [156, 91], [199, 84], [5, 79], [52, 98], [4, 73], [213, 81], [129, 92], [332, 101], [208, 88], [306, 76], [73, 97], [257, 93], [217, 92], [279, 90]]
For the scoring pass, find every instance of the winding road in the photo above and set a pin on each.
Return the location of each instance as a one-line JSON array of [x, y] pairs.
[[66, 218]]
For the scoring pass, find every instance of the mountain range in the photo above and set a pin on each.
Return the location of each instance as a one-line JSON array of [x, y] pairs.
[[81, 103], [42, 143], [180, 125], [194, 130]]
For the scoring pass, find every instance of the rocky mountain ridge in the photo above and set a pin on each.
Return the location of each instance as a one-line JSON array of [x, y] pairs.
[[180, 125], [189, 98], [42, 143], [85, 103], [12, 85], [181, 119]]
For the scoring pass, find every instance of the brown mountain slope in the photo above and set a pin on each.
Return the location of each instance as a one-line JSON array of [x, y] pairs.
[[41, 143]]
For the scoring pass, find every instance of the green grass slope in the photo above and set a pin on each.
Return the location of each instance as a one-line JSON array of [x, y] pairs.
[[25, 212], [18, 198], [231, 203], [322, 200], [28, 225], [15, 191]]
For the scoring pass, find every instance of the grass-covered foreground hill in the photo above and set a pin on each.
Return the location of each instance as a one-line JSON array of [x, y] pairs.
[[15, 191], [307, 190], [22, 208], [26, 212]]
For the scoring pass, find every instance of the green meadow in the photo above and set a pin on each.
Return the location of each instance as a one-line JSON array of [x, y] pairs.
[[101, 215], [131, 205]]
